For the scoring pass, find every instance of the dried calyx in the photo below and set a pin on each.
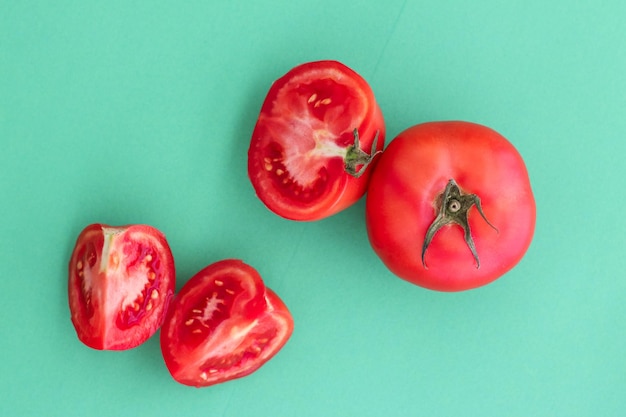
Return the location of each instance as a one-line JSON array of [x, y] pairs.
[[355, 156], [453, 209]]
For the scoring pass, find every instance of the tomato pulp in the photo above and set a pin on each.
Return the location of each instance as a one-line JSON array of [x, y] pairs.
[[450, 206], [224, 324], [121, 281], [318, 130]]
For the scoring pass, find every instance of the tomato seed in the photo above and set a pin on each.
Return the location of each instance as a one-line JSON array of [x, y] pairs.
[[326, 101], [219, 283], [312, 98], [149, 306], [231, 292], [79, 265], [148, 258], [154, 294], [151, 275]]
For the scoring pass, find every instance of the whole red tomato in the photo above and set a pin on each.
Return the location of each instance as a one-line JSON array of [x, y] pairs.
[[223, 324], [121, 282], [450, 206], [318, 130]]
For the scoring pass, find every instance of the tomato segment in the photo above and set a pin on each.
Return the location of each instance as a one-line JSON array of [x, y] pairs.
[[301, 156], [223, 324], [121, 281]]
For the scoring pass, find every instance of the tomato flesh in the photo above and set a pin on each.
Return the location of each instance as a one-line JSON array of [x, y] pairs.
[[404, 200], [121, 281], [224, 324], [296, 159]]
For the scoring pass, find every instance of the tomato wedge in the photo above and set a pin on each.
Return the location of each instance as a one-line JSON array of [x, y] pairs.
[[318, 130], [224, 324], [121, 282]]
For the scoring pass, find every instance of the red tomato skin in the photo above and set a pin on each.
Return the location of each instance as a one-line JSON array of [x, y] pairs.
[[247, 333], [118, 297], [402, 203], [293, 112]]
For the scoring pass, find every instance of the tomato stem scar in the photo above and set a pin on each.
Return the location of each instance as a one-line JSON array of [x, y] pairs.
[[453, 209], [356, 156]]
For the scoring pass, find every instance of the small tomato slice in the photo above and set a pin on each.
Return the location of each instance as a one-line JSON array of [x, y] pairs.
[[121, 282], [450, 206], [223, 324], [318, 130]]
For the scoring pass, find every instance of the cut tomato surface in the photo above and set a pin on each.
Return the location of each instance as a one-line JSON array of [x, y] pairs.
[[121, 282], [317, 134], [224, 324]]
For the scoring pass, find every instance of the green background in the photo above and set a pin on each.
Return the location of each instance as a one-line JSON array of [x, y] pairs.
[[141, 112]]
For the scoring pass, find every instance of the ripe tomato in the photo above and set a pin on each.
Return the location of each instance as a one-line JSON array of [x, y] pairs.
[[318, 130], [121, 281], [450, 206], [223, 324]]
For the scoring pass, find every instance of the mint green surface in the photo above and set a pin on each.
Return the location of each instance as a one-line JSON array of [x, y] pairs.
[[141, 112]]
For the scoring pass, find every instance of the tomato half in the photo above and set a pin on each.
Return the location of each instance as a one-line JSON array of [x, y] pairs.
[[318, 130], [224, 324], [121, 282], [450, 206]]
